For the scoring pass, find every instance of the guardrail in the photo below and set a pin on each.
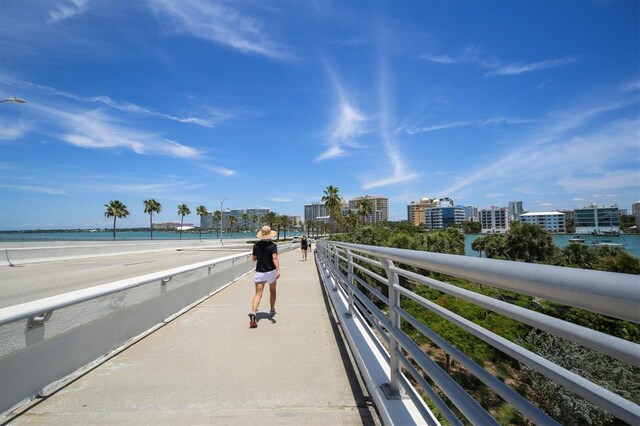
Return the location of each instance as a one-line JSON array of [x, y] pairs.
[[44, 341], [356, 275]]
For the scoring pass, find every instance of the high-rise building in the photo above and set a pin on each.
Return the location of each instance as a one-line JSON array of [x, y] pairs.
[[494, 220], [314, 212], [442, 216], [635, 211], [597, 219], [471, 214], [380, 208], [549, 221], [415, 210], [515, 210]]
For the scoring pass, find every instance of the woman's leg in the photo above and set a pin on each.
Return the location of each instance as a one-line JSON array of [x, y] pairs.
[[257, 297], [272, 295]]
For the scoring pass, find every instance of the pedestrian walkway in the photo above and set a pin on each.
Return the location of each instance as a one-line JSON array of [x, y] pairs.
[[208, 367]]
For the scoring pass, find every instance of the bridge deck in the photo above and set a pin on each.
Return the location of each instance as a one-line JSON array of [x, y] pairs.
[[207, 367]]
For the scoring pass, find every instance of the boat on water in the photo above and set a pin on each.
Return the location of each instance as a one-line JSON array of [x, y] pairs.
[[576, 239], [606, 243]]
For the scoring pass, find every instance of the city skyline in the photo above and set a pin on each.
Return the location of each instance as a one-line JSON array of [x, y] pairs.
[[265, 105]]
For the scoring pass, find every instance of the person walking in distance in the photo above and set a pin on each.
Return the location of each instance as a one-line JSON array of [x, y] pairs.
[[304, 246], [265, 253]]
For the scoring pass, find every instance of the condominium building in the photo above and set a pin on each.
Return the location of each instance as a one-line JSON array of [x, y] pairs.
[[380, 208], [415, 210], [495, 220], [549, 221], [597, 219], [471, 214], [442, 216], [515, 210], [314, 212], [635, 211]]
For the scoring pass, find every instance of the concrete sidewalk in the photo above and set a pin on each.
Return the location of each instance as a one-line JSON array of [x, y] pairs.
[[208, 367]]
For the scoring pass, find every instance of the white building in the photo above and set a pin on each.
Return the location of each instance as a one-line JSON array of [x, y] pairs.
[[549, 221], [380, 208], [495, 220], [597, 219]]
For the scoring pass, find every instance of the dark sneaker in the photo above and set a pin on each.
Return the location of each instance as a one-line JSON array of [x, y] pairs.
[[272, 313], [252, 321]]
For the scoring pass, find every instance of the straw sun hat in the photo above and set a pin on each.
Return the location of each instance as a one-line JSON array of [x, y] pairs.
[[266, 233]]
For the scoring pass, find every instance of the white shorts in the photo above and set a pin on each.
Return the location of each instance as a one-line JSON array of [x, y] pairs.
[[268, 277]]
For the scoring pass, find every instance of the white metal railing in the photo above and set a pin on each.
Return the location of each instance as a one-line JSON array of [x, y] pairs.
[[43, 341], [345, 266]]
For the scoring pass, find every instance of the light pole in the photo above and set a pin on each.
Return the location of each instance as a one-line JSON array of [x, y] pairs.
[[14, 100], [221, 217]]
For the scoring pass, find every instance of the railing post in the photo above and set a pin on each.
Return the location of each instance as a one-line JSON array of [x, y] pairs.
[[393, 390], [349, 313]]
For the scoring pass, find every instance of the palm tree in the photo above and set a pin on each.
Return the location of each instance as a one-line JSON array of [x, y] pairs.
[[151, 206], [332, 202], [271, 218], [365, 208], [245, 216], [183, 210], [116, 209], [254, 219], [351, 221], [217, 216], [232, 221], [284, 221], [202, 212]]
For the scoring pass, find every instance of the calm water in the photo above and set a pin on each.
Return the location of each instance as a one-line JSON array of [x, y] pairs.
[[631, 242]]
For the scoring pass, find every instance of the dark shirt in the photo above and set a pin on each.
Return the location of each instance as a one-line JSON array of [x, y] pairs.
[[264, 251], [303, 243]]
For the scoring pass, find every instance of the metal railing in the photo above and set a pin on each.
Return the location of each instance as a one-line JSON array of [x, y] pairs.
[[368, 277], [83, 326]]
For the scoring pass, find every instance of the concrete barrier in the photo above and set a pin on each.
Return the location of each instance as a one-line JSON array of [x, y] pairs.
[[20, 253]]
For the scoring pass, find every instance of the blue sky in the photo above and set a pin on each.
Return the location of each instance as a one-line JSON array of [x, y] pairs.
[[266, 103]]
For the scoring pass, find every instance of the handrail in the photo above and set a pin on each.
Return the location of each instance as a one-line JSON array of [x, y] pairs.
[[613, 294], [30, 309]]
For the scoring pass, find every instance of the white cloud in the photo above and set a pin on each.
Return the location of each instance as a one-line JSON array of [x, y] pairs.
[[96, 130], [37, 189], [223, 24], [282, 200], [11, 131], [214, 116], [475, 55], [467, 123], [67, 9]]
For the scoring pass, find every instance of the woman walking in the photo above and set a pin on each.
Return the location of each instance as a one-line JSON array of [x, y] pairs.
[[265, 253], [304, 246]]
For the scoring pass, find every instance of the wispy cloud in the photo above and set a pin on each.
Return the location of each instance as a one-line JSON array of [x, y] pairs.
[[214, 116], [475, 55], [11, 131], [399, 171], [466, 123], [96, 130], [37, 189], [347, 125], [223, 24], [514, 69], [67, 9], [282, 200], [548, 156]]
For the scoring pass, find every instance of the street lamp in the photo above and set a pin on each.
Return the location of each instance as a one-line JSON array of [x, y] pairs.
[[221, 216], [14, 100]]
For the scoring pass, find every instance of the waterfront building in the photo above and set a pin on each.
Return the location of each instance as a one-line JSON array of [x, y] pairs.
[[171, 226], [597, 219], [515, 210], [207, 222], [380, 208], [415, 210], [549, 221], [471, 214], [635, 211], [314, 212], [495, 220], [443, 216]]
